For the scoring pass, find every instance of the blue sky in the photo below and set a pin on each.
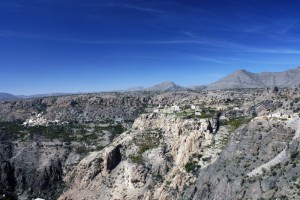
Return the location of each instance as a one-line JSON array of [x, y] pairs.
[[95, 45]]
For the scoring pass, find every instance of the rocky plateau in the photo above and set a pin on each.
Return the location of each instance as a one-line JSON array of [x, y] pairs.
[[230, 144]]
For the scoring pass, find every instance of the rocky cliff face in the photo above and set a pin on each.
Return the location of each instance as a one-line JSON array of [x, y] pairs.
[[148, 162], [257, 162], [34, 168], [166, 156], [34, 160]]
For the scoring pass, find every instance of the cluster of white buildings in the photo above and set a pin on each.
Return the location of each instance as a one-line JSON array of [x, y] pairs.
[[176, 109], [280, 115], [197, 109], [167, 109], [37, 119]]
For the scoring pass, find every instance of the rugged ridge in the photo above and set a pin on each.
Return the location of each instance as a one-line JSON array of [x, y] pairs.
[[76, 108], [165, 87], [153, 171], [245, 79]]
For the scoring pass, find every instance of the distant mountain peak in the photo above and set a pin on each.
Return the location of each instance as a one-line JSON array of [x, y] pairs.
[[245, 79], [241, 70], [167, 83], [165, 86]]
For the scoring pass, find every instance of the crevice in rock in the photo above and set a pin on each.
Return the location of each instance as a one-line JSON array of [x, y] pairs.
[[194, 192], [7, 177], [114, 158], [210, 127]]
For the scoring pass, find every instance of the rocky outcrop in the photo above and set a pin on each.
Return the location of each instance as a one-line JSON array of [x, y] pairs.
[[256, 164], [149, 160], [34, 169], [185, 136], [76, 108], [280, 158], [166, 157]]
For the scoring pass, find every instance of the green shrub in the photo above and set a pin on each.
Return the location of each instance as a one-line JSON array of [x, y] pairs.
[[235, 123], [137, 159], [294, 155], [118, 129], [207, 159], [81, 150], [191, 166]]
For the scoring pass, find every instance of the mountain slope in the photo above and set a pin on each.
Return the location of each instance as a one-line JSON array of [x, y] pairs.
[[165, 87], [238, 79], [245, 79], [7, 96], [135, 89], [281, 79]]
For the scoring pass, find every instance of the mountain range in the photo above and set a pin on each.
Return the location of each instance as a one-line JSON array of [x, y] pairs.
[[236, 80], [246, 79]]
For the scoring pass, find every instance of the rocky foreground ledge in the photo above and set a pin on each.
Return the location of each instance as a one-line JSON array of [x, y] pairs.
[[155, 159]]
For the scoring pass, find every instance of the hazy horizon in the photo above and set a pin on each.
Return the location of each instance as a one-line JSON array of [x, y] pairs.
[[132, 87], [91, 46]]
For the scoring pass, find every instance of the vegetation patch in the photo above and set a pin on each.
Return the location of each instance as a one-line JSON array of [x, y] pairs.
[[294, 155], [82, 150], [191, 166], [137, 159], [116, 129], [67, 133], [235, 123], [149, 140]]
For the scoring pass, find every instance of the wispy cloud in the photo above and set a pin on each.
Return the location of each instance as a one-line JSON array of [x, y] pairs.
[[138, 57], [8, 33], [188, 34], [174, 57], [138, 8], [272, 51], [5, 33], [11, 5], [211, 44], [253, 29], [207, 59], [241, 60]]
